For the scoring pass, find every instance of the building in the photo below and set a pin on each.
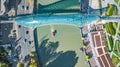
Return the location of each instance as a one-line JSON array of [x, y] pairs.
[[25, 7], [98, 42], [2, 7], [16, 7]]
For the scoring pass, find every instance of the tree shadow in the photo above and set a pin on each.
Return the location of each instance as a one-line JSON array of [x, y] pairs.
[[49, 57], [55, 32], [12, 4], [6, 36]]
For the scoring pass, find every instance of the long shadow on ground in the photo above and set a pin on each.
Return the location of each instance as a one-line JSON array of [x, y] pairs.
[[58, 7], [50, 58]]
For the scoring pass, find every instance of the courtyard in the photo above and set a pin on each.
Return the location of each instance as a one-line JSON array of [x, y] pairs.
[[61, 50]]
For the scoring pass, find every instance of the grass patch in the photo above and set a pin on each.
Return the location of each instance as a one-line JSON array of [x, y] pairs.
[[111, 41], [110, 28], [106, 42], [119, 46], [110, 10], [119, 31], [115, 48], [116, 1], [115, 24], [115, 60], [116, 11]]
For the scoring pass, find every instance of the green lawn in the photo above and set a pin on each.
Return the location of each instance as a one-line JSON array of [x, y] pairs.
[[116, 1], [119, 31], [115, 60], [115, 48], [111, 41], [65, 46], [106, 43], [115, 24], [112, 10], [111, 28]]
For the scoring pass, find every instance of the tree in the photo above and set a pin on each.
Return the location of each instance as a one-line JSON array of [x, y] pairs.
[[87, 57], [4, 64], [1, 49], [33, 63], [32, 53], [3, 53], [20, 64], [33, 60], [84, 47], [27, 32], [115, 61], [19, 26]]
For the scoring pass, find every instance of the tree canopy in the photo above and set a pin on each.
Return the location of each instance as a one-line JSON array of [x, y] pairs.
[[4, 64], [20, 64]]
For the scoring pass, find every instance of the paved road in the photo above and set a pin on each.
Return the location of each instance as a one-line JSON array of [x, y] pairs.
[[93, 50], [25, 46]]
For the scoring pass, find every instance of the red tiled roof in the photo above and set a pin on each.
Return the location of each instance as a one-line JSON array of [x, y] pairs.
[[110, 61], [93, 37], [105, 49], [100, 62], [105, 61], [100, 51], [99, 44], [98, 41]]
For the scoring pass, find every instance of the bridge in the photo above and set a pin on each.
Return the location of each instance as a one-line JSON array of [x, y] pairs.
[[72, 19]]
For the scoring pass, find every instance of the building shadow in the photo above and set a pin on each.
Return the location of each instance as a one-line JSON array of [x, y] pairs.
[[66, 59], [58, 7], [49, 57], [5, 36]]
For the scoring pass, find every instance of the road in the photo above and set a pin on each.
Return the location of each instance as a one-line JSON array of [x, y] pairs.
[[24, 41]]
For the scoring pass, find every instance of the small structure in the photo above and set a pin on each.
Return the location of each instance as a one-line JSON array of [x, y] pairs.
[[25, 7], [85, 31], [52, 33]]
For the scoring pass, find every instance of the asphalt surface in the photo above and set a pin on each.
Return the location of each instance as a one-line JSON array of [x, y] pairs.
[[24, 41]]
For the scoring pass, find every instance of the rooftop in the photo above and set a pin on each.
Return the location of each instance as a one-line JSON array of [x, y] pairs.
[[100, 49]]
